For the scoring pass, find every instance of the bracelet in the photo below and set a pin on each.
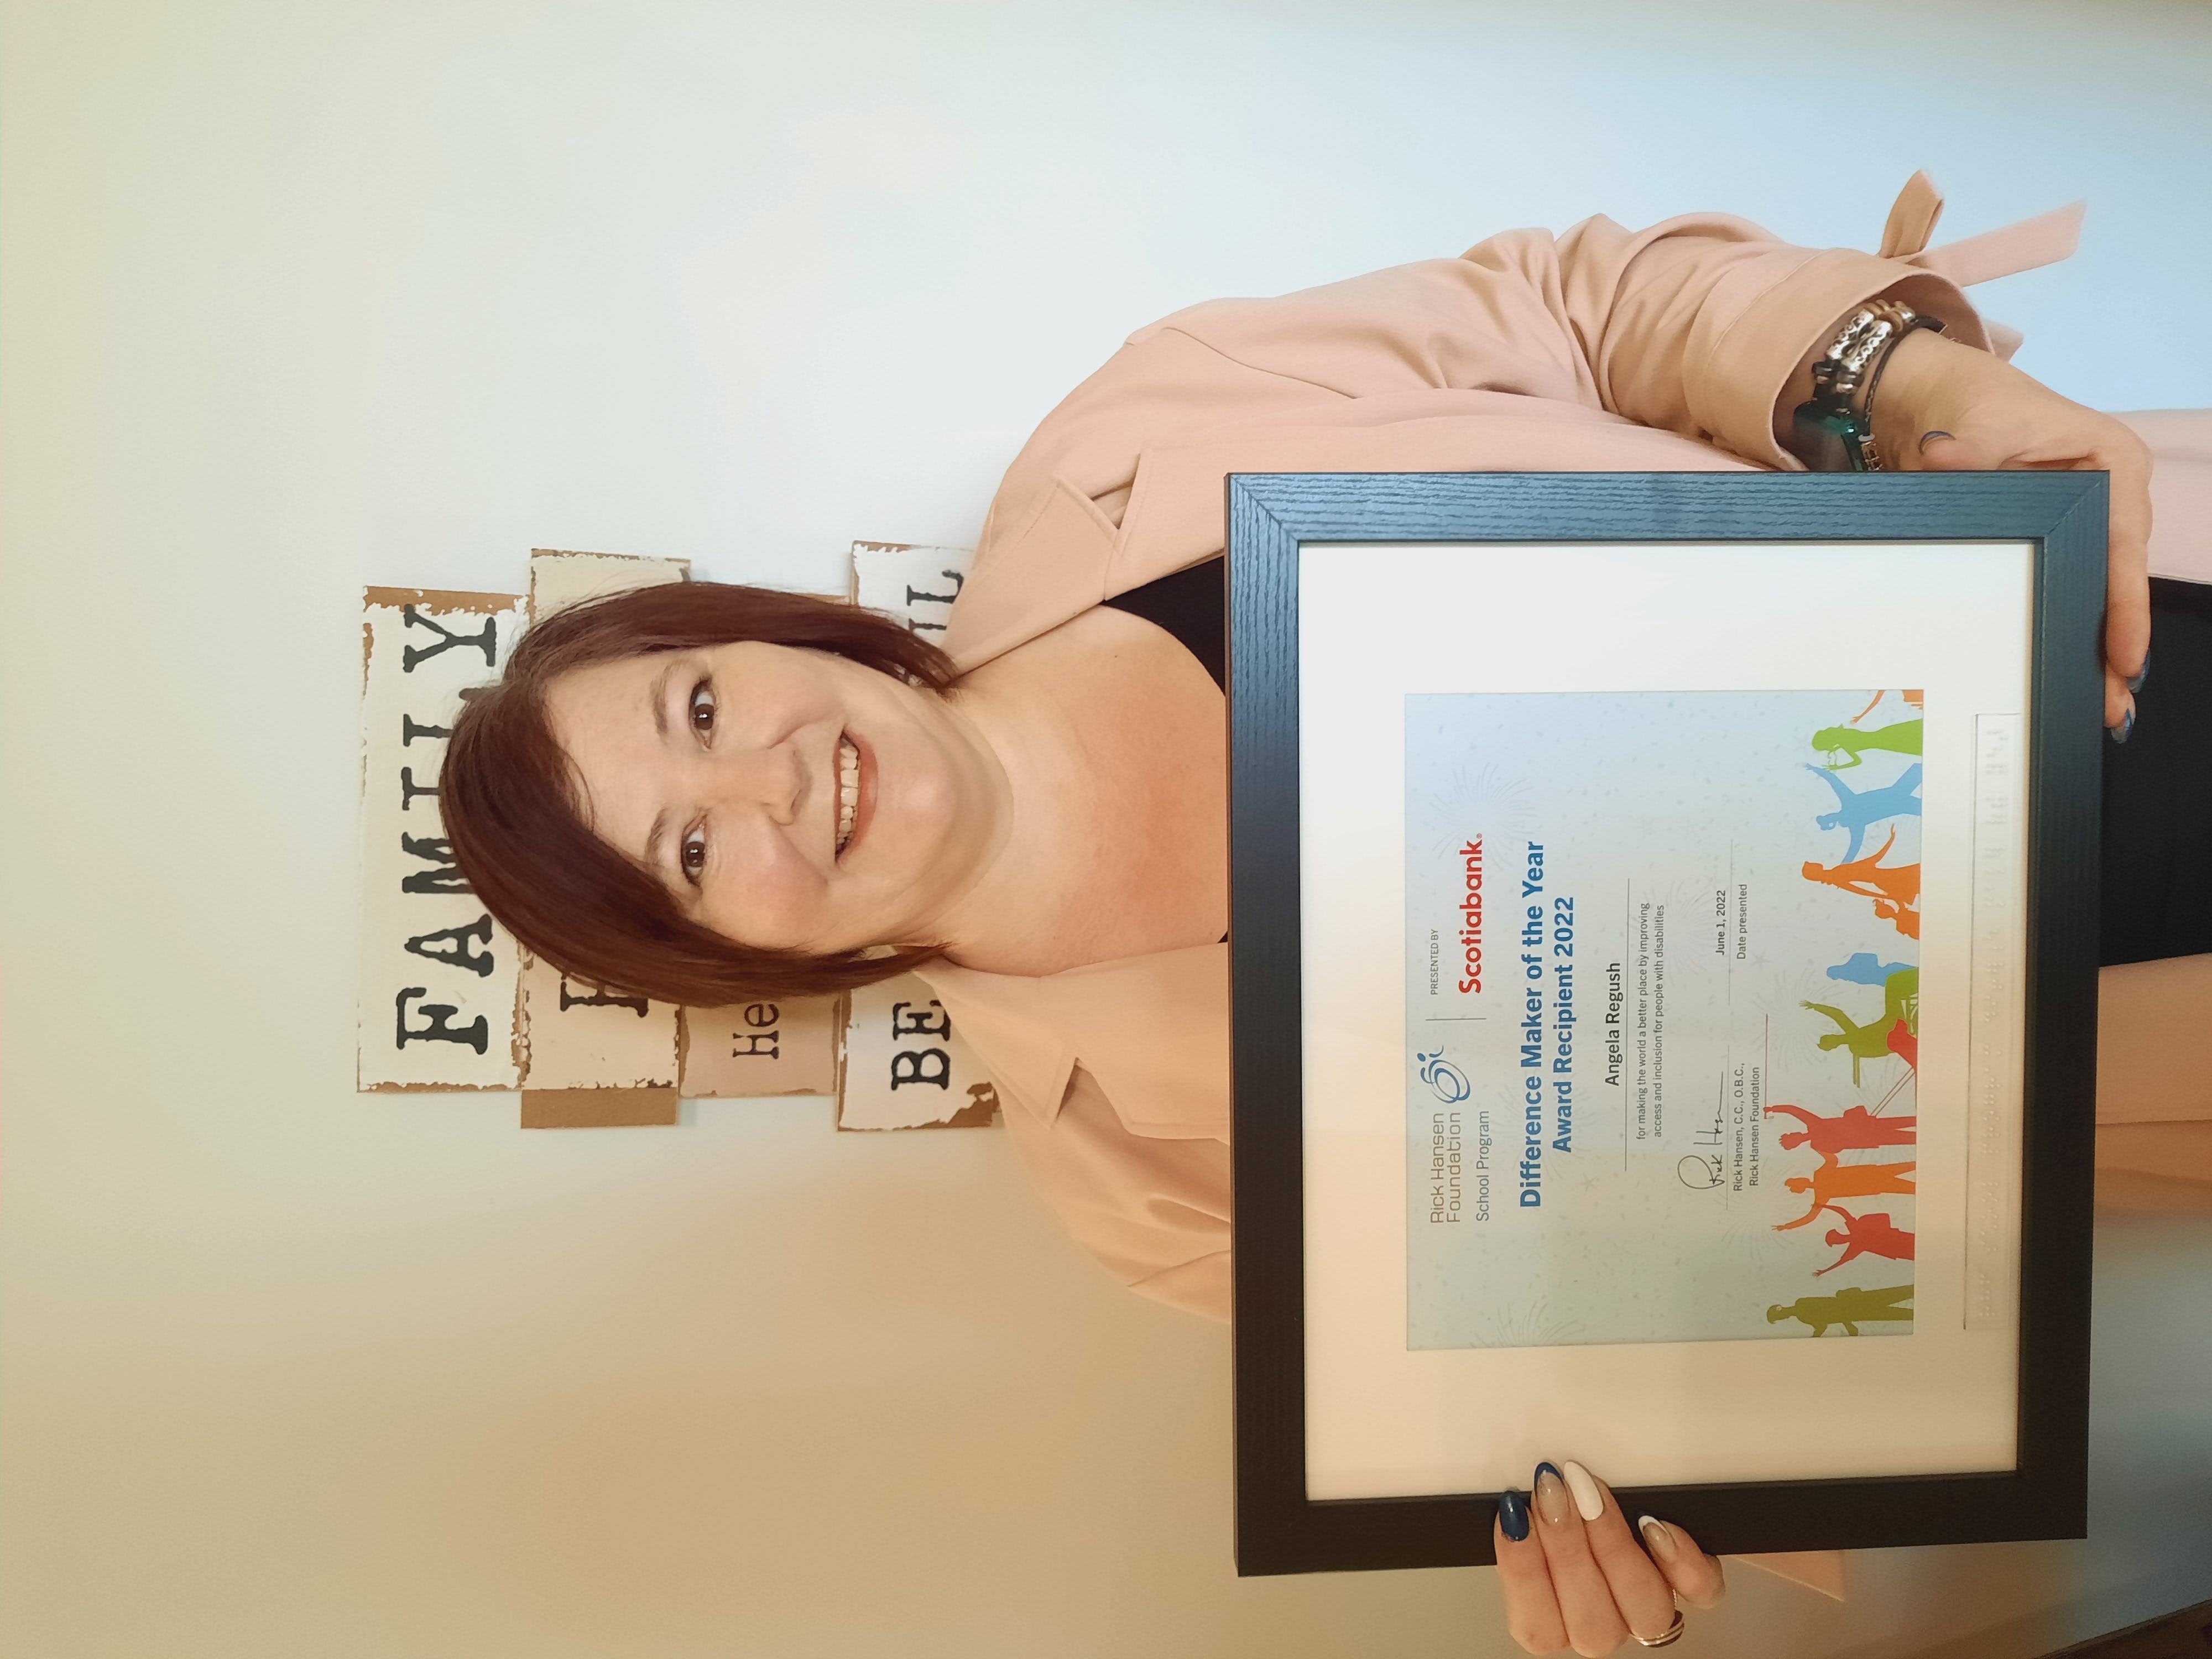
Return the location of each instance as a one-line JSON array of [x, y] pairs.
[[1835, 426]]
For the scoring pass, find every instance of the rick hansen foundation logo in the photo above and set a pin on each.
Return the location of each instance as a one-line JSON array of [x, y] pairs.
[[1446, 1079], [1449, 1148]]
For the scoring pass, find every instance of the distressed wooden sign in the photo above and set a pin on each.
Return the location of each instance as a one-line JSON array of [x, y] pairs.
[[905, 1067], [439, 979], [917, 585]]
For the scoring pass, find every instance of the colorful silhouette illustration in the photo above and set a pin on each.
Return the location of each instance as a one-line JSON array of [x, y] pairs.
[[1908, 920], [1871, 1234], [1870, 877], [1857, 809], [1833, 1181], [1866, 969], [1902, 738], [1855, 1130], [1916, 699], [1849, 1308], [1897, 1032]]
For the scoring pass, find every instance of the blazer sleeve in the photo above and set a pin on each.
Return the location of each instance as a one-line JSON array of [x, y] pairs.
[[1693, 327]]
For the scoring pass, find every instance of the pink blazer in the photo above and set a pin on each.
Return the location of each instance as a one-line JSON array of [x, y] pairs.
[[1600, 349]]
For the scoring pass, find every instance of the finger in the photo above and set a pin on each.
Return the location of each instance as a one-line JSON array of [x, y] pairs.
[[1532, 1611], [1696, 1576], [1593, 1623], [1640, 1590], [2127, 583], [2119, 706]]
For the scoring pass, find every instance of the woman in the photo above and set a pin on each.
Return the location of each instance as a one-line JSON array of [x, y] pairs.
[[699, 794]]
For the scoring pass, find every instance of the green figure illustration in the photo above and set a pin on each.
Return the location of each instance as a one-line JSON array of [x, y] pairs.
[[1848, 1308], [1902, 738], [1832, 1180], [1900, 1006]]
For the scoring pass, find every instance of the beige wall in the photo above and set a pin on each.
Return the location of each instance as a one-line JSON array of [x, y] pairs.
[[301, 297]]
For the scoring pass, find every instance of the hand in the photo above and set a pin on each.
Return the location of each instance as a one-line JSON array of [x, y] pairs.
[[1943, 407], [1576, 1577]]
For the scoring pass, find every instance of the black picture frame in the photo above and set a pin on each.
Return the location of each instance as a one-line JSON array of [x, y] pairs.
[[2063, 515]]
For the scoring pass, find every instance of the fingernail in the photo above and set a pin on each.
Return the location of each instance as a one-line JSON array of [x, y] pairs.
[[1588, 1500], [1551, 1495], [1928, 438], [2119, 734], [2141, 674], [1513, 1514], [1658, 1535]]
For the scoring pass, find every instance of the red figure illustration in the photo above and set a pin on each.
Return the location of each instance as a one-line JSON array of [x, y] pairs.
[[1872, 1234], [1857, 1130], [1904, 1045], [1833, 1181]]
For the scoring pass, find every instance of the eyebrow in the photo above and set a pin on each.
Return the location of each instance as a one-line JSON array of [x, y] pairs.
[[657, 700]]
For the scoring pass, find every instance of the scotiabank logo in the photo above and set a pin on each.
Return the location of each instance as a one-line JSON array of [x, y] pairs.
[[1446, 1079], [1469, 930]]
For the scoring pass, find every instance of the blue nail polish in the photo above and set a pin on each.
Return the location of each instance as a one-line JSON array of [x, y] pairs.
[[2141, 674], [2119, 734], [1552, 1469], [1513, 1514]]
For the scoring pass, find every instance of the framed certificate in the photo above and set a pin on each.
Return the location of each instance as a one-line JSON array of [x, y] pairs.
[[1664, 982]]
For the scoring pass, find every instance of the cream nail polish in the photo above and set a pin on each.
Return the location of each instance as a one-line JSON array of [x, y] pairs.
[[1588, 1500], [1551, 1495], [1658, 1535]]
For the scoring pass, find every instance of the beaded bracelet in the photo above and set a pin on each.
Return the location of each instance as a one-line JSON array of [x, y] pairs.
[[1835, 426]]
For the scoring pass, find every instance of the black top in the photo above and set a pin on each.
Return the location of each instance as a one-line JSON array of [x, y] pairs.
[[1191, 605]]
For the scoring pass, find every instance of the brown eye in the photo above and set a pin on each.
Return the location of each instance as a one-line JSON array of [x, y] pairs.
[[692, 854], [702, 706]]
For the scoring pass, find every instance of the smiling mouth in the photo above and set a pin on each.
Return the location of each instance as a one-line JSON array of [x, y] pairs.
[[849, 791]]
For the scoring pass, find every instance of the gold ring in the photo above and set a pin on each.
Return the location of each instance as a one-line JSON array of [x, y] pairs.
[[1673, 1633]]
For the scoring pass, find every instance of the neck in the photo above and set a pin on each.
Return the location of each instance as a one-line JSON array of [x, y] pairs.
[[1006, 920]]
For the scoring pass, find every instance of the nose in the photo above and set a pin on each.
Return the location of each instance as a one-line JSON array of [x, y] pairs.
[[772, 779]]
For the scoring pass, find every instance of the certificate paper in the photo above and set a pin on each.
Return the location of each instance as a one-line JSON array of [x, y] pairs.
[[1663, 1015]]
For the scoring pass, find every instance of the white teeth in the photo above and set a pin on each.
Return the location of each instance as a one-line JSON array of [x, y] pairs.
[[848, 790]]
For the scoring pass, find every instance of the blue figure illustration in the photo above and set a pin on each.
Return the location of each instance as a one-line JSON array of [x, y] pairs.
[[1865, 969], [1857, 808]]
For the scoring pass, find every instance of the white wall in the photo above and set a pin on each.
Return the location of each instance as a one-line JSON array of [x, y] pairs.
[[300, 297]]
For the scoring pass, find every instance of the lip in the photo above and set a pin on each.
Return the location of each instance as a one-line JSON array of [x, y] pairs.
[[865, 809]]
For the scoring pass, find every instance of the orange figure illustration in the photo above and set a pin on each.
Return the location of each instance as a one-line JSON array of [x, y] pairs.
[[1908, 921], [1833, 1181], [1900, 885], [1916, 699], [1871, 1234], [1857, 1130], [1905, 1043]]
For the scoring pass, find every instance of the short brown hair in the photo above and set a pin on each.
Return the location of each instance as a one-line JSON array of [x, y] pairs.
[[511, 798]]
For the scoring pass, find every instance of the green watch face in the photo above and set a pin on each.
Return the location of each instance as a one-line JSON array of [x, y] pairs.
[[1831, 440]]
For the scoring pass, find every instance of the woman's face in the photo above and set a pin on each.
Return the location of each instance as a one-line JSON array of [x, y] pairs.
[[788, 798]]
